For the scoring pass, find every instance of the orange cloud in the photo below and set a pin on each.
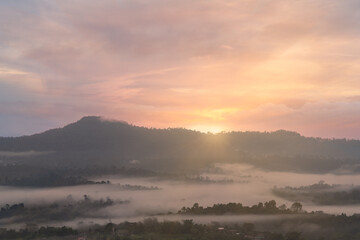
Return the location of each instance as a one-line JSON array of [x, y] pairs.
[[244, 65]]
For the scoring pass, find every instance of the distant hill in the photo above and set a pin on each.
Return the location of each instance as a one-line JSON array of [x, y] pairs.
[[92, 140]]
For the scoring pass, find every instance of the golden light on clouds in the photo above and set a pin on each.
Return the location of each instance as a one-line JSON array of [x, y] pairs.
[[208, 128], [217, 114], [209, 65]]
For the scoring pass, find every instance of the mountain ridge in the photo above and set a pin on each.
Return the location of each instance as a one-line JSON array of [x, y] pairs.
[[93, 139]]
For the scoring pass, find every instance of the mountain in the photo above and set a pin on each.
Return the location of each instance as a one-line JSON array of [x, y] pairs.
[[92, 140]]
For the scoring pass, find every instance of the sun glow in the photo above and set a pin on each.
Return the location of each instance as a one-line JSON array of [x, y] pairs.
[[208, 128]]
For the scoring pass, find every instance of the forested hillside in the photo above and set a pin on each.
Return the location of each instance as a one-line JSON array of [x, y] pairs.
[[93, 140]]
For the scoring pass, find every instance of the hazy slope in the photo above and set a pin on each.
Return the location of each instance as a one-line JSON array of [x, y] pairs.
[[93, 140]]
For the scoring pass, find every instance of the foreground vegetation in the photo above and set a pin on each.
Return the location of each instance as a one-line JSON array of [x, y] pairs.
[[27, 175], [329, 227], [237, 208], [321, 194], [67, 209], [285, 224]]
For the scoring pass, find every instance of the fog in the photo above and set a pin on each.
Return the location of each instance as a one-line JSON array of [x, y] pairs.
[[249, 186], [23, 154], [209, 219]]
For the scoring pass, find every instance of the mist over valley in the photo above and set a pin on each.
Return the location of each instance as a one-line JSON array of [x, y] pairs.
[[95, 172]]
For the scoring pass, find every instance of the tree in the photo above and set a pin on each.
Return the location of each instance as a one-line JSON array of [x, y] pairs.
[[296, 207], [270, 205]]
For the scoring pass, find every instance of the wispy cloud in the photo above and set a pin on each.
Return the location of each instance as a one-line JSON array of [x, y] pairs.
[[244, 65]]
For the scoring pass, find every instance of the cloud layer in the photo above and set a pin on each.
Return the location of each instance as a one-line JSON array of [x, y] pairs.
[[206, 64]]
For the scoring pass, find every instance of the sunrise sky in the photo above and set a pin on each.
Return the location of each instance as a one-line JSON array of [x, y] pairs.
[[211, 65]]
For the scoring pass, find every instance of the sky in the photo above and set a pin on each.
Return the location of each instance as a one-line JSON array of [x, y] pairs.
[[210, 65]]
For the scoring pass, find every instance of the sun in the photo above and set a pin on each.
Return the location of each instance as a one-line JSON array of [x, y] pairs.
[[208, 128]]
